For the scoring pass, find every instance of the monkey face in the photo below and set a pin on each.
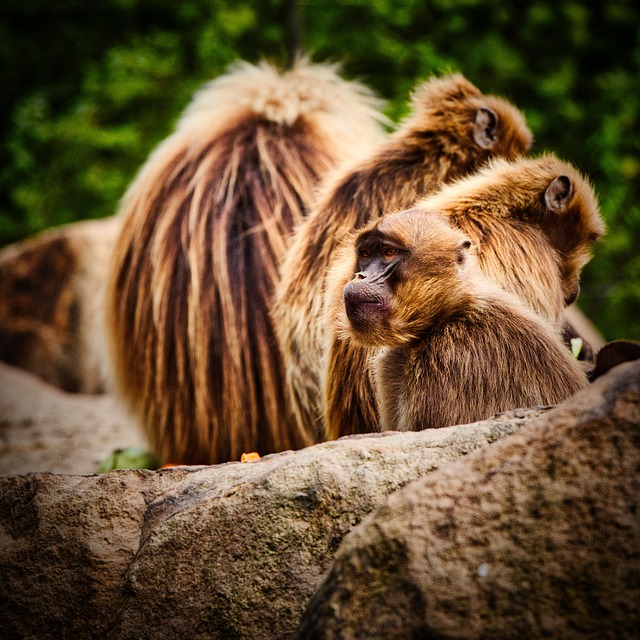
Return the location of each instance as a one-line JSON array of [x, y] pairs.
[[369, 295], [408, 265]]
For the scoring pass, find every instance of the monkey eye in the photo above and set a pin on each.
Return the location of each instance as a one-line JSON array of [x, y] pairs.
[[389, 252], [364, 252]]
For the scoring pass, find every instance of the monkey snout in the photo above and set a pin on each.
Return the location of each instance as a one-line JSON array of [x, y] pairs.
[[359, 291]]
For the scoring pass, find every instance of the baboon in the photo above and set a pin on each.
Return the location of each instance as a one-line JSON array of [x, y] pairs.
[[452, 130], [205, 226], [533, 223], [612, 354], [452, 346], [52, 288]]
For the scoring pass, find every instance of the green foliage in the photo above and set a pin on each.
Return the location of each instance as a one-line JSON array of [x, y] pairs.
[[129, 458], [82, 110]]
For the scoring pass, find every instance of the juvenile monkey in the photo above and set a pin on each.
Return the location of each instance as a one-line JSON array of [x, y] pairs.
[[452, 130], [455, 347], [533, 223], [205, 226]]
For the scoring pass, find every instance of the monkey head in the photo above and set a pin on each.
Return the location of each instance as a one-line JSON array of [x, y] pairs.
[[566, 210], [407, 266], [570, 200], [489, 123], [545, 194]]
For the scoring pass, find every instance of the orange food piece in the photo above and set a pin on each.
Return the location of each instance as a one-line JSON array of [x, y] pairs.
[[248, 457]]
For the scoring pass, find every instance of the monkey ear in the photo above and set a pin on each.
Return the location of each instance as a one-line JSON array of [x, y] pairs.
[[462, 250], [558, 194], [485, 128]]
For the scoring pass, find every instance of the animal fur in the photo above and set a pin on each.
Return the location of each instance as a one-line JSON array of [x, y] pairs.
[[533, 221], [52, 287], [613, 354], [456, 347], [453, 129], [206, 224]]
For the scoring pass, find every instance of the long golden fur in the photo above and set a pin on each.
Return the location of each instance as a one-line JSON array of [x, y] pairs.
[[533, 222], [453, 129], [205, 226], [457, 348]]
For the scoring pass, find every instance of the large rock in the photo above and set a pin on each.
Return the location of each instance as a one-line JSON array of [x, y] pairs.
[[537, 536], [539, 530], [228, 551]]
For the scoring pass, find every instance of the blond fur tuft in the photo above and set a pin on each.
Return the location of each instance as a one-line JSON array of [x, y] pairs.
[[305, 91]]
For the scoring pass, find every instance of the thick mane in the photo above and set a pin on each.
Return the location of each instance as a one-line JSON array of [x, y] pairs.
[[205, 227]]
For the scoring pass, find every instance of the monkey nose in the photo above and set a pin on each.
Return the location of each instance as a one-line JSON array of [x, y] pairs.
[[359, 276]]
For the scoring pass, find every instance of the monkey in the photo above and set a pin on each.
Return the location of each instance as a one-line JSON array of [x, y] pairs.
[[52, 287], [205, 224], [452, 130], [533, 222], [451, 346], [611, 355]]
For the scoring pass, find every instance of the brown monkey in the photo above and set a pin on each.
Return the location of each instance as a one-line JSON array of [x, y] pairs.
[[205, 225], [453, 129], [455, 347], [612, 354], [52, 287], [533, 223]]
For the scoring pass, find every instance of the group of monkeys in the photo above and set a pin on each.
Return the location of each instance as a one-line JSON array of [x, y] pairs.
[[288, 272]]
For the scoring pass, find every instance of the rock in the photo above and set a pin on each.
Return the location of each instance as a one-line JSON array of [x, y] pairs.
[[45, 429], [227, 551], [51, 317], [537, 536]]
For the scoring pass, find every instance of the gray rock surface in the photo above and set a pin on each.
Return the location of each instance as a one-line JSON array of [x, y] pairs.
[[227, 551], [45, 429], [537, 536]]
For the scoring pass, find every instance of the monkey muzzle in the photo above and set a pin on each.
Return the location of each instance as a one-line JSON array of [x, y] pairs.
[[366, 303]]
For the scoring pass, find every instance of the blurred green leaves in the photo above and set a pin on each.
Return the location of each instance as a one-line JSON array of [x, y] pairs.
[[90, 89]]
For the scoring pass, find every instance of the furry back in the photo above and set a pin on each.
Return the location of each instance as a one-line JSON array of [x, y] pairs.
[[205, 226]]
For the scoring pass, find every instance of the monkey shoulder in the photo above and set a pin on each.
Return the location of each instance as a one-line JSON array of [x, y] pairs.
[[496, 343]]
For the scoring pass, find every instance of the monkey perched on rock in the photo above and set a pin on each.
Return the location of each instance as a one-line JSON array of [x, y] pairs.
[[452, 130], [533, 223], [205, 225], [456, 347]]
